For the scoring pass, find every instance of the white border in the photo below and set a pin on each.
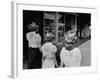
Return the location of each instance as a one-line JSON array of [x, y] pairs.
[[17, 67]]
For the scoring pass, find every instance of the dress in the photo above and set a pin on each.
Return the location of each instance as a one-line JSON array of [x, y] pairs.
[[70, 58], [48, 50]]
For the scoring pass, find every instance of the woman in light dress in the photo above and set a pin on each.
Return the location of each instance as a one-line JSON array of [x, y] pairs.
[[70, 56], [48, 51]]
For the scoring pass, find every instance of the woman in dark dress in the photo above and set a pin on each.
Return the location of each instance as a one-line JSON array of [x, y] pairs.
[[34, 43]]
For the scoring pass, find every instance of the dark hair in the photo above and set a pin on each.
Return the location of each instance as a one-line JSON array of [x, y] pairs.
[[69, 47], [33, 27], [72, 44], [49, 40], [68, 27]]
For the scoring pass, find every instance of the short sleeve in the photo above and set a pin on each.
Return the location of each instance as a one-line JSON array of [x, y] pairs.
[[54, 49], [38, 38], [45, 49], [30, 35]]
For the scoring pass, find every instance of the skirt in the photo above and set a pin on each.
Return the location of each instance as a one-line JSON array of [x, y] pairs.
[[48, 63], [34, 58]]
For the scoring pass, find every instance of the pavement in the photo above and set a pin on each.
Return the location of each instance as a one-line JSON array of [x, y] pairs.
[[85, 53]]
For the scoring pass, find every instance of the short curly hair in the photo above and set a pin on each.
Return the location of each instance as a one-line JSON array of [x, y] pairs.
[[70, 41]]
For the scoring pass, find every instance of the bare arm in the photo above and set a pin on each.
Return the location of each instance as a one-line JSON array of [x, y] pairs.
[[55, 61], [61, 58]]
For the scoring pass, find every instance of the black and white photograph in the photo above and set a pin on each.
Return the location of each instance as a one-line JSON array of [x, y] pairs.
[[52, 39], [56, 39]]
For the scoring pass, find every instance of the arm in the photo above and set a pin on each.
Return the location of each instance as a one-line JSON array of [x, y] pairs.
[[54, 55], [61, 58], [27, 36], [39, 45], [39, 41], [40, 48], [55, 61]]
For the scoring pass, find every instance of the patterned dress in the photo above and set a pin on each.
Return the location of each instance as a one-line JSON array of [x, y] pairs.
[[48, 50]]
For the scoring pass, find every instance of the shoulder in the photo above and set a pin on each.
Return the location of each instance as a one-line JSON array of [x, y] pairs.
[[63, 51], [77, 49], [38, 35], [76, 52], [49, 47], [45, 46], [49, 44], [54, 48], [30, 34]]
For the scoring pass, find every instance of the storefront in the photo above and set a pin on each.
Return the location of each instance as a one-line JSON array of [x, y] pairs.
[[57, 23], [54, 24]]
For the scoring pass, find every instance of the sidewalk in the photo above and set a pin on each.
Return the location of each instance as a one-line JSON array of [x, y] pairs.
[[85, 53]]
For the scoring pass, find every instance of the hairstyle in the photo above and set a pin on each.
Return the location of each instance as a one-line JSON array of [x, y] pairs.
[[70, 41], [33, 27]]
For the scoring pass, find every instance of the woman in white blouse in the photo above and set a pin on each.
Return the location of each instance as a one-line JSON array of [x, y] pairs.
[[70, 56], [34, 43], [48, 51]]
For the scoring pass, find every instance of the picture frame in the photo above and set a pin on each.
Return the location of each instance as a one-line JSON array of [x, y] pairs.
[[17, 70]]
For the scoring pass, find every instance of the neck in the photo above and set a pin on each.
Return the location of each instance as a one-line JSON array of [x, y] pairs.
[[69, 48]]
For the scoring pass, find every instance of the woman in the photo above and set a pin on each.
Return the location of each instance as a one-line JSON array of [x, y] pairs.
[[70, 56], [34, 43], [49, 60]]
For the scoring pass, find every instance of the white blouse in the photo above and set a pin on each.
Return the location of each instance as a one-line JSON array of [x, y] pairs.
[[48, 48], [34, 39], [70, 58]]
